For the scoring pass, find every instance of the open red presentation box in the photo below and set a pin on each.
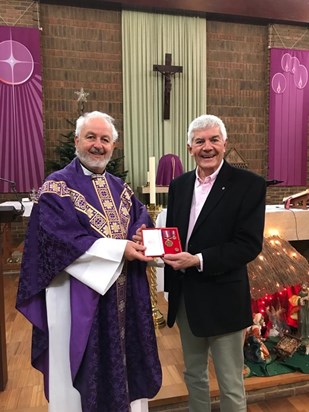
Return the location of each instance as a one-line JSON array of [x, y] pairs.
[[161, 241]]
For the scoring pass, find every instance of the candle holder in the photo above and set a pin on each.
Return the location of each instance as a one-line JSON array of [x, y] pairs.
[[153, 211], [157, 316]]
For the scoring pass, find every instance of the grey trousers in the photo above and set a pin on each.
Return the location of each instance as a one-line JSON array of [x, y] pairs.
[[227, 354]]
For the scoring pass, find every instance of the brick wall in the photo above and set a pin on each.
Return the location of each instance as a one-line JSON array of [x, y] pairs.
[[237, 87], [18, 13], [82, 48], [237, 70]]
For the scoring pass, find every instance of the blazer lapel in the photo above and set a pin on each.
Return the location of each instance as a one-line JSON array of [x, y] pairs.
[[218, 190]]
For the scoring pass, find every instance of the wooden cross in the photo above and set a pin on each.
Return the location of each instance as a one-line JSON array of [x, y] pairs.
[[167, 70]]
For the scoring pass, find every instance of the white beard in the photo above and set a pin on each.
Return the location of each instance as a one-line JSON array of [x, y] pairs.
[[92, 163]]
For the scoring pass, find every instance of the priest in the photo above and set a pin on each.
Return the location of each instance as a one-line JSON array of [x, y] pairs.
[[83, 284]]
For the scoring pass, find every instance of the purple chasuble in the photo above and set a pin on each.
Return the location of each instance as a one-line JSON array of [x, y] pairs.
[[169, 168], [113, 348]]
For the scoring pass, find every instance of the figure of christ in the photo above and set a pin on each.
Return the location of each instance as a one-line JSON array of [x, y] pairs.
[[167, 70]]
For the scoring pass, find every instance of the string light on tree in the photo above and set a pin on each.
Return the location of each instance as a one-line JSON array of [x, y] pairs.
[[82, 99], [278, 266]]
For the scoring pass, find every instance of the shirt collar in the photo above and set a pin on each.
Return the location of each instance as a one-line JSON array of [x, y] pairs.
[[209, 179], [88, 172]]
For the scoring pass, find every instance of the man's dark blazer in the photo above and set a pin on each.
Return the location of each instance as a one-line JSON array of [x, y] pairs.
[[229, 234]]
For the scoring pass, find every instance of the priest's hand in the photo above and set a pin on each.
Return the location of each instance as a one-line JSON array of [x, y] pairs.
[[182, 260], [138, 238], [135, 251]]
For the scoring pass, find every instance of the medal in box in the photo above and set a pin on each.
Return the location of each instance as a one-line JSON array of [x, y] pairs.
[[161, 241]]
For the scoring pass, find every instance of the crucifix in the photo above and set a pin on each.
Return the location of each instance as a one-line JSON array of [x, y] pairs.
[[167, 70]]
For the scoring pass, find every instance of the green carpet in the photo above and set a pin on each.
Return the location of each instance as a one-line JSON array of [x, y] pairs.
[[298, 362]]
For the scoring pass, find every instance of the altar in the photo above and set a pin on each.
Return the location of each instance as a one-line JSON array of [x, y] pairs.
[[290, 224]]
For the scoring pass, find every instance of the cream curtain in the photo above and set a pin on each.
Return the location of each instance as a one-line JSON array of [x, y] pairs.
[[146, 38]]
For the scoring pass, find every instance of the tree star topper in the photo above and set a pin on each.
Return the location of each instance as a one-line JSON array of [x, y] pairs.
[[82, 95]]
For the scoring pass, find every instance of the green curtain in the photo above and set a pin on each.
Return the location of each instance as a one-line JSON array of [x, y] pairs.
[[146, 38]]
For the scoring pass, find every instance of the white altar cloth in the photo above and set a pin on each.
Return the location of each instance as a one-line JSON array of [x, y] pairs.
[[289, 224]]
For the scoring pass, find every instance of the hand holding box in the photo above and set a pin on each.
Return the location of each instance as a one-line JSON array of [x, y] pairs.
[[160, 241]]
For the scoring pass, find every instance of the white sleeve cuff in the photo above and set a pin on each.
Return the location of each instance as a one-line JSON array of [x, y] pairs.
[[200, 256], [100, 266]]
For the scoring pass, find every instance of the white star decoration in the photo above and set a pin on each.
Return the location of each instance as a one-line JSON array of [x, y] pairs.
[[82, 95]]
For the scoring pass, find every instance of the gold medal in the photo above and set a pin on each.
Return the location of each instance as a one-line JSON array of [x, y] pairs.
[[169, 243]]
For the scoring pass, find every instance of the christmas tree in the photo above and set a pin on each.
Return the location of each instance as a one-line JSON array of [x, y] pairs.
[[66, 149]]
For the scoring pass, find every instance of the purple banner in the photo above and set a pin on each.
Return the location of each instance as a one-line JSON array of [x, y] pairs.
[[288, 116], [21, 123]]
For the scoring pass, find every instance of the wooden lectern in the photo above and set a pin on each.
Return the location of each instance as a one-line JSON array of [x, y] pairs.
[[7, 215], [297, 201]]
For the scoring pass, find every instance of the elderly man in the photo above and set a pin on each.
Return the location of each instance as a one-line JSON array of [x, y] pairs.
[[219, 211], [83, 284]]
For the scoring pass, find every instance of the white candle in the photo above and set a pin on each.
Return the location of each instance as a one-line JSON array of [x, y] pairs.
[[152, 180]]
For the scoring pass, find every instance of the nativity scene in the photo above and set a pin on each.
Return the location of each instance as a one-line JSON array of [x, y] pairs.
[[187, 118]]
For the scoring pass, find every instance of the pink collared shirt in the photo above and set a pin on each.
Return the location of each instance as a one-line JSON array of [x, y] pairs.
[[202, 189]]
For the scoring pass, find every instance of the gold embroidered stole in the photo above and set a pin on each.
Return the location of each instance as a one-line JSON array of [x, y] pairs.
[[117, 225]]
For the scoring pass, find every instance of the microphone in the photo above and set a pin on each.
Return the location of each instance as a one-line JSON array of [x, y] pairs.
[[273, 182], [12, 183], [19, 212]]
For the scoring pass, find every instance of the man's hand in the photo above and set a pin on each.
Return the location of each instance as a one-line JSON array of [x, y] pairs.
[[182, 260], [135, 251]]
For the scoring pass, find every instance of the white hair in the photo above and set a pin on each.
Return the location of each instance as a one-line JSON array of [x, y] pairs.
[[206, 121], [83, 119]]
